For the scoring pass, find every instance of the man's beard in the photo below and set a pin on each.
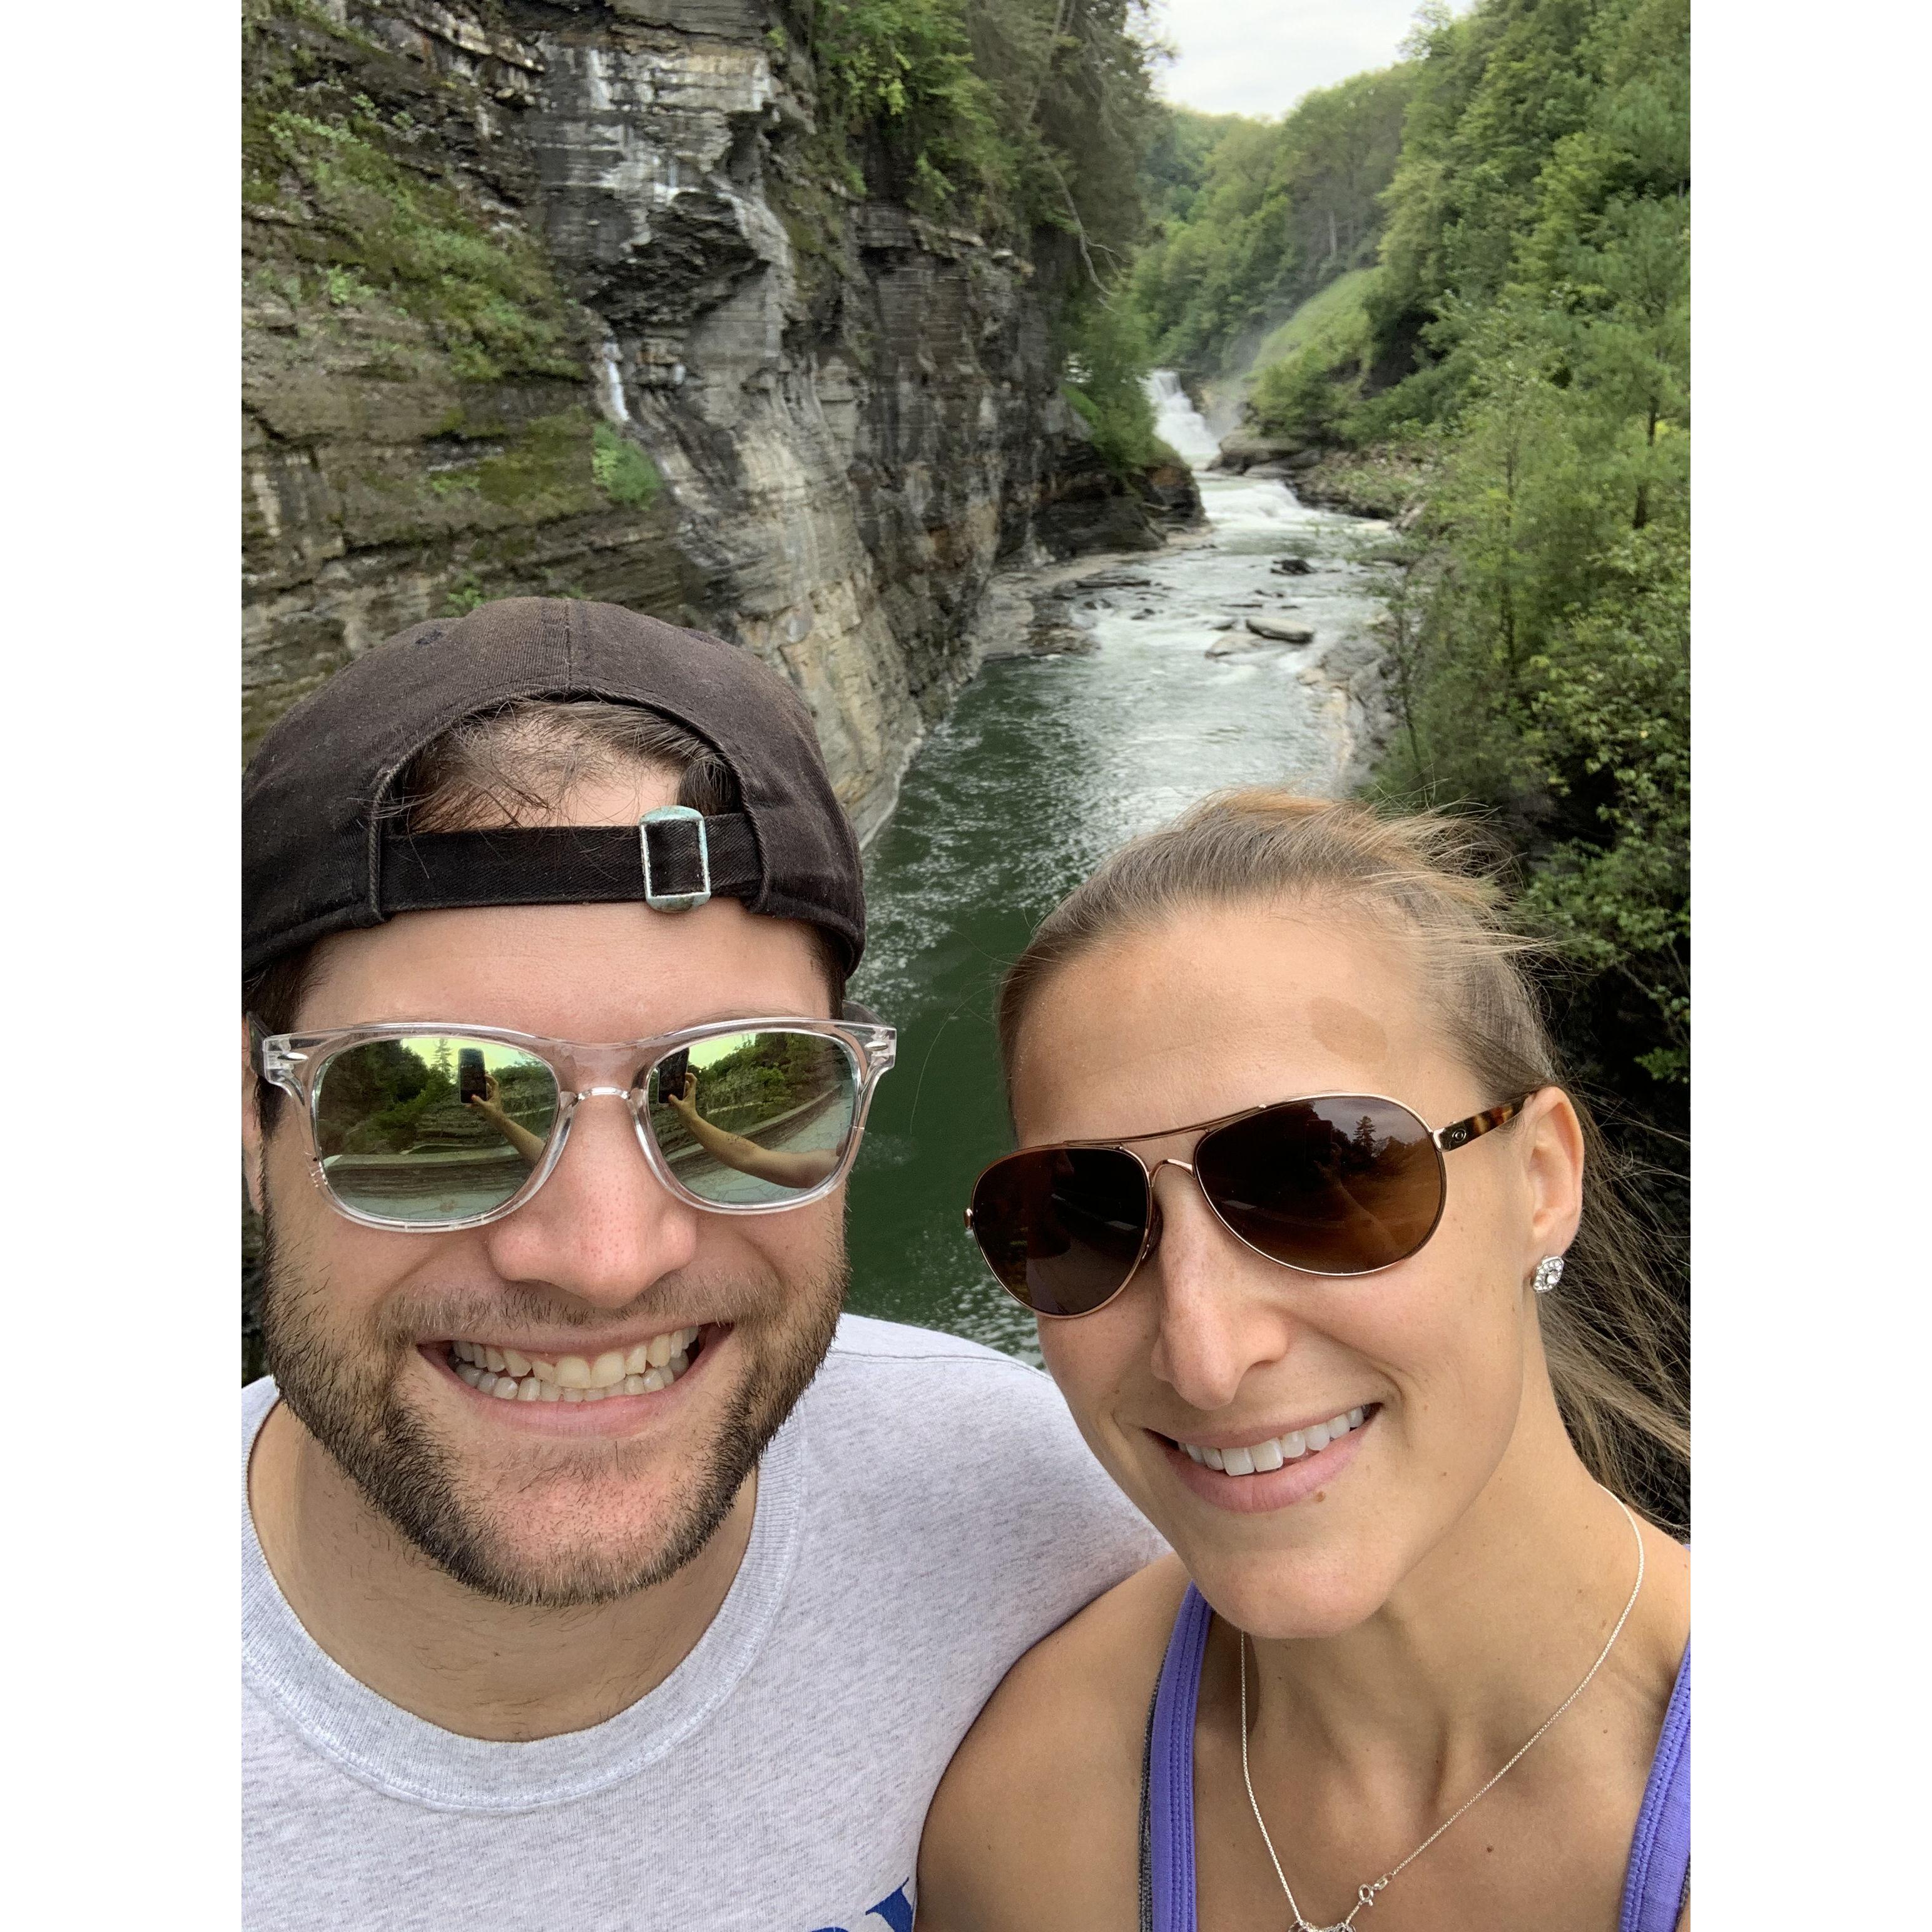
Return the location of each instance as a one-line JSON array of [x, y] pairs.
[[350, 1402]]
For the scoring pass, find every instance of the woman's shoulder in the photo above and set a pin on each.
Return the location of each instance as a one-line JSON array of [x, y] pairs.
[[1095, 1673], [1050, 1773]]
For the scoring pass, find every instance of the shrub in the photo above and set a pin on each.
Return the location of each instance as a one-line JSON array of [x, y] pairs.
[[621, 469]]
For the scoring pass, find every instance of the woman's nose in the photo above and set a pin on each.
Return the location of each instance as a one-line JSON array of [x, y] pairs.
[[1216, 1320]]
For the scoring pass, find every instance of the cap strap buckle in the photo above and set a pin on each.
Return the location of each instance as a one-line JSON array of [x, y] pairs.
[[675, 851]]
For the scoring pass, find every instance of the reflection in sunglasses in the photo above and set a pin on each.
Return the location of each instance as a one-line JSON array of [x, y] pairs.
[[756, 1116], [432, 1127]]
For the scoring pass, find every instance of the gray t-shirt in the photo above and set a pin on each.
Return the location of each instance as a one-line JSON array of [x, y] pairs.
[[927, 1513]]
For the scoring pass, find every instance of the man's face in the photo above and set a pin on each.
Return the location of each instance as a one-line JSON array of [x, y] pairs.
[[542, 1503]]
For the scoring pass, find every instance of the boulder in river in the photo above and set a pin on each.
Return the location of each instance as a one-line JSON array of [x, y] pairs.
[[1291, 566], [1245, 449], [1221, 624], [1280, 634], [1114, 580], [1054, 640]]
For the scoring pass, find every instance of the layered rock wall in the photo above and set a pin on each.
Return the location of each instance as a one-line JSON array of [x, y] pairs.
[[563, 298]]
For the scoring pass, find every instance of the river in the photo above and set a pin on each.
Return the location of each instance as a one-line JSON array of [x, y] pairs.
[[1046, 763]]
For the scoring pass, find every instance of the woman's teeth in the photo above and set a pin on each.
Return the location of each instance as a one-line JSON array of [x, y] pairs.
[[1278, 1449], [512, 1376]]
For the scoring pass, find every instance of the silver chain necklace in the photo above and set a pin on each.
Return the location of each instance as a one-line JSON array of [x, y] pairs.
[[1365, 1895]]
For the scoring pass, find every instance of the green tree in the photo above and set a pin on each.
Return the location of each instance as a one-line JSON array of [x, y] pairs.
[[1529, 335], [1106, 365], [1257, 216]]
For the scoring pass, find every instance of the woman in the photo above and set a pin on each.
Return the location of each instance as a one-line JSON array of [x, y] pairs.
[[1421, 1660]]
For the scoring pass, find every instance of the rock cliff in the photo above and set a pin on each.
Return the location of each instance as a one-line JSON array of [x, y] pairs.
[[555, 297]]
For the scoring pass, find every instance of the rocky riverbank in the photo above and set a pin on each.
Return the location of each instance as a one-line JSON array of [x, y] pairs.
[[558, 301], [1267, 585], [1381, 482]]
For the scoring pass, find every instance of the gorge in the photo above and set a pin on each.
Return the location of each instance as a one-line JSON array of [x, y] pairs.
[[567, 299]]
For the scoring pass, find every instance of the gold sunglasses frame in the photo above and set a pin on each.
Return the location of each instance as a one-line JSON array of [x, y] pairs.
[[1441, 1140]]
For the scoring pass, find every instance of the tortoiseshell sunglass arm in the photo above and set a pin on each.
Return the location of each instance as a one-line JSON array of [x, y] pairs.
[[1460, 1133]]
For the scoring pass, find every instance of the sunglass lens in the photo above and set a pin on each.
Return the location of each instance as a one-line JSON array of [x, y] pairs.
[[1062, 1227], [1339, 1186], [752, 1119], [435, 1127]]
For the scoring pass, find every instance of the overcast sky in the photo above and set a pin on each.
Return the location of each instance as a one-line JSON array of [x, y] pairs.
[[1261, 56]]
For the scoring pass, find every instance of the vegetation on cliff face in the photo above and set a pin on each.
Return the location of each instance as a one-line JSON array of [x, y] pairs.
[[416, 375], [1027, 120], [377, 229], [364, 214], [1106, 365], [1013, 115]]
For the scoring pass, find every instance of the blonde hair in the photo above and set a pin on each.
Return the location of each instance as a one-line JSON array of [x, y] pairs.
[[1614, 1335]]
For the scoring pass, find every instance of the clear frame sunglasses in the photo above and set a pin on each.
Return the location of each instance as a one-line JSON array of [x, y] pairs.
[[427, 1126]]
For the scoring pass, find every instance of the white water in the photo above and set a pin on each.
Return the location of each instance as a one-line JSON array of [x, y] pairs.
[[611, 386], [1244, 516], [1177, 422]]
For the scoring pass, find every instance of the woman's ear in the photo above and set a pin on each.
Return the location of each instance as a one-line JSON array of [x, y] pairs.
[[1552, 1156]]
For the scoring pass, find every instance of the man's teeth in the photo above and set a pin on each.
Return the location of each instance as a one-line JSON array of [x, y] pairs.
[[1278, 1449], [512, 1376]]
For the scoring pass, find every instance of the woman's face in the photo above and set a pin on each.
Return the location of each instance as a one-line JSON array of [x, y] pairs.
[[1221, 1009]]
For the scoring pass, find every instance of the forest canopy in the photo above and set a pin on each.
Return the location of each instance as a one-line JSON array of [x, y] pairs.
[[1475, 265]]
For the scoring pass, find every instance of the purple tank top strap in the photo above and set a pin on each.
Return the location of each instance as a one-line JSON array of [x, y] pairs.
[[1660, 1863], [1171, 1772]]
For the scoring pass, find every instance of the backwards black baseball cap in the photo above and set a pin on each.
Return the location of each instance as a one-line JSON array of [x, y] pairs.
[[324, 850]]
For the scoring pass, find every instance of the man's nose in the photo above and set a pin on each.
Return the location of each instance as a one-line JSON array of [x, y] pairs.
[[1212, 1326], [603, 1227]]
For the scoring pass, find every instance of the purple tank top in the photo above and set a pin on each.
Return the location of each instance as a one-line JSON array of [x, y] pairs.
[[1654, 1886]]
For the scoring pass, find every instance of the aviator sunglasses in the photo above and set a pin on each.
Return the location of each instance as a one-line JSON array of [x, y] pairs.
[[1332, 1184], [432, 1125]]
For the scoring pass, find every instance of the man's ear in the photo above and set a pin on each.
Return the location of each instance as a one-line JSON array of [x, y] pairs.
[[251, 1123]]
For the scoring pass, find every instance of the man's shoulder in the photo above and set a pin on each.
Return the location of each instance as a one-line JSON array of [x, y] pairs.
[[913, 1399], [972, 1455], [865, 1337]]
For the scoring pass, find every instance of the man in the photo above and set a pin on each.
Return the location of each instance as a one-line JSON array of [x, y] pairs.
[[596, 1571]]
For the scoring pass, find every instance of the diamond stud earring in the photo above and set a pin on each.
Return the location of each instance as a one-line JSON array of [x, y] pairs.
[[1548, 1273]]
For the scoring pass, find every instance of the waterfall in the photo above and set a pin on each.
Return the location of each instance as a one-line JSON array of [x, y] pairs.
[[1176, 421], [610, 385]]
